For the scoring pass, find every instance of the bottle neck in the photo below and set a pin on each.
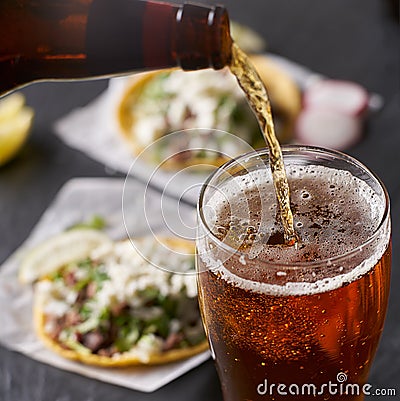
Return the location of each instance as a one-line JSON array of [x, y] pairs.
[[77, 39], [202, 37]]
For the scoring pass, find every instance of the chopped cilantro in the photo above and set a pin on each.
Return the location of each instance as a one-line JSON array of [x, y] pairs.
[[85, 311], [99, 277], [85, 263], [58, 275], [127, 338], [150, 295], [105, 314], [95, 223], [159, 326], [80, 285], [169, 305]]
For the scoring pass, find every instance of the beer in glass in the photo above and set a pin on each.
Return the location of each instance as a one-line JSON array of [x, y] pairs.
[[294, 322]]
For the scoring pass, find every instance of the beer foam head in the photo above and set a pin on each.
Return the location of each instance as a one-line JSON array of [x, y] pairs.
[[335, 215]]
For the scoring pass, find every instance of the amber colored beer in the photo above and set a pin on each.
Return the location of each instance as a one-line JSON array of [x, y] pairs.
[[295, 317]]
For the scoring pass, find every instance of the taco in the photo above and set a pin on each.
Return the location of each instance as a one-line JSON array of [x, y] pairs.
[[114, 308], [157, 103]]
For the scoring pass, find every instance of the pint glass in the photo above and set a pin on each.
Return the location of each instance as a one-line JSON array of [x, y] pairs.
[[300, 322]]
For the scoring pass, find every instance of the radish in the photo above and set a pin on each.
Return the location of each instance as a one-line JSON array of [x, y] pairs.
[[327, 128], [343, 96]]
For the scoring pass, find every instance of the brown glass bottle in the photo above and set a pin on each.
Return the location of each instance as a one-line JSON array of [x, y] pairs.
[[72, 39]]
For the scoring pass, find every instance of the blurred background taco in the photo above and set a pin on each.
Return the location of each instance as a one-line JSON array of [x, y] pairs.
[[158, 103]]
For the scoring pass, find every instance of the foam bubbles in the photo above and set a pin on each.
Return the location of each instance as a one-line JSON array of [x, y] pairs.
[[334, 213]]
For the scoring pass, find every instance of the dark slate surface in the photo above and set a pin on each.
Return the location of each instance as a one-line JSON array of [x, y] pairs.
[[344, 39]]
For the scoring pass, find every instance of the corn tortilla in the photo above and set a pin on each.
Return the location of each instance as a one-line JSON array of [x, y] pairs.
[[121, 359]]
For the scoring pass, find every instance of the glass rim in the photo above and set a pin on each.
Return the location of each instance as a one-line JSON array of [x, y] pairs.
[[299, 149]]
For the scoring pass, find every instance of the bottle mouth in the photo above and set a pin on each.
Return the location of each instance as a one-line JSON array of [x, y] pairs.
[[222, 41], [203, 37]]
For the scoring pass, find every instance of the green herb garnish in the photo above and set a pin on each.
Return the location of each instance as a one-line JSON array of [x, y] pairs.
[[96, 222]]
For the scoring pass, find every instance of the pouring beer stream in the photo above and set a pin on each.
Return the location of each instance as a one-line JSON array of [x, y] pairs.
[[257, 96]]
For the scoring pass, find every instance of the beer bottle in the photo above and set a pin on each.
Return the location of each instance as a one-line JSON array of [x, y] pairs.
[[72, 39]]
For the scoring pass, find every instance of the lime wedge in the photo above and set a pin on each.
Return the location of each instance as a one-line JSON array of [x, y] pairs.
[[15, 123], [58, 251], [13, 133], [11, 105]]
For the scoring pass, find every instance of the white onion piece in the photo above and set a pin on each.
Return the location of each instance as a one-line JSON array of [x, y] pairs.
[[344, 96], [327, 128]]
